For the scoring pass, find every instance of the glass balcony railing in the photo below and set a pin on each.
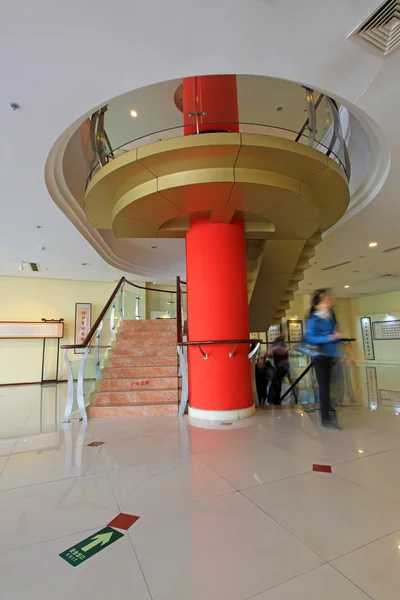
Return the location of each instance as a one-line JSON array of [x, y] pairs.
[[266, 106]]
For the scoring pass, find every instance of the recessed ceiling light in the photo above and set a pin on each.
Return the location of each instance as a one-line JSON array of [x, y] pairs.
[[38, 227], [154, 247], [279, 108], [42, 247], [133, 113], [346, 286], [85, 264], [373, 244]]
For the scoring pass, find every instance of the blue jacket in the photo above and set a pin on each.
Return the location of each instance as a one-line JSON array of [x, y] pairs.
[[319, 333]]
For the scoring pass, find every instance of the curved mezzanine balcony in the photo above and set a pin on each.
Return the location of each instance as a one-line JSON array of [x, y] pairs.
[[284, 170]]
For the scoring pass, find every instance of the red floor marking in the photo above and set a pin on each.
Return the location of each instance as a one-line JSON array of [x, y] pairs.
[[123, 521], [226, 423], [322, 468], [95, 444]]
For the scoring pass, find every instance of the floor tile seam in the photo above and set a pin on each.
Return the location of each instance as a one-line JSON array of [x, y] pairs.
[[53, 539], [183, 504], [343, 462], [140, 565], [5, 464], [367, 489], [351, 581], [216, 473], [276, 585], [275, 480], [378, 539], [72, 478], [135, 437], [287, 530], [38, 450], [150, 462], [223, 448], [126, 534], [227, 448]]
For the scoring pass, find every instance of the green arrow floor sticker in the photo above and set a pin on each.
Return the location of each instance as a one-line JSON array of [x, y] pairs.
[[91, 546]]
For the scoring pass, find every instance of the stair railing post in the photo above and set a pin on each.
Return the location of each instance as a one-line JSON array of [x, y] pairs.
[[121, 303], [97, 350], [112, 320], [80, 386], [70, 392], [183, 373]]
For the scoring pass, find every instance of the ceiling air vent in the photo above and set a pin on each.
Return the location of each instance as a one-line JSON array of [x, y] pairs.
[[381, 28], [336, 266], [34, 267], [391, 249]]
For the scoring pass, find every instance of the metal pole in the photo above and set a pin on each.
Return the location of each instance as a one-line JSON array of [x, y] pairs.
[[70, 393], [97, 351], [80, 391]]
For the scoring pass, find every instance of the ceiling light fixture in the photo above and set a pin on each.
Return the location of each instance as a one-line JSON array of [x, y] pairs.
[[85, 264], [346, 286], [154, 247], [133, 113], [373, 244], [42, 247]]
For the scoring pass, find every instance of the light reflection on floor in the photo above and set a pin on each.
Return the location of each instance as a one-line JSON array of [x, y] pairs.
[[229, 511]]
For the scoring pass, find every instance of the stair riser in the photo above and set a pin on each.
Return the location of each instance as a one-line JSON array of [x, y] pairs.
[[132, 398], [114, 412], [139, 372], [141, 361], [159, 325], [157, 383], [151, 351], [150, 340]]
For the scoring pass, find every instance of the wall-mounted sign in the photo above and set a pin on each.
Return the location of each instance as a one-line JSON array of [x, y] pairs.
[[389, 398], [26, 330], [372, 388], [273, 332], [83, 323], [367, 338], [386, 330], [295, 331]]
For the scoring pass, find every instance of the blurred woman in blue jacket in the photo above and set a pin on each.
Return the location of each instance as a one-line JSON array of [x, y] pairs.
[[322, 332]]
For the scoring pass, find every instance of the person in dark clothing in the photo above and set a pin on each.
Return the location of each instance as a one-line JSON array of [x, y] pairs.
[[261, 380], [280, 356], [322, 332]]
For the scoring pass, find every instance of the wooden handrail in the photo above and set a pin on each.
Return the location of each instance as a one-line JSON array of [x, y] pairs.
[[123, 280], [99, 319]]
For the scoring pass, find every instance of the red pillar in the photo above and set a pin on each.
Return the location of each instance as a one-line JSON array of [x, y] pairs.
[[218, 310], [214, 95], [216, 273]]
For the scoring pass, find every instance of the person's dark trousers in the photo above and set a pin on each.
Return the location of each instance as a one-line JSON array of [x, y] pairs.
[[261, 392], [323, 368]]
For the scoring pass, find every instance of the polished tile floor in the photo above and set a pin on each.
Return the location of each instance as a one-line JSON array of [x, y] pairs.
[[228, 512]]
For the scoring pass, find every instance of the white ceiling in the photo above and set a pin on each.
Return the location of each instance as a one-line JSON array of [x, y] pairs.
[[62, 59]]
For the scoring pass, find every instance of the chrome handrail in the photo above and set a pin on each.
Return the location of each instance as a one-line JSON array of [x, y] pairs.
[[310, 124], [182, 352]]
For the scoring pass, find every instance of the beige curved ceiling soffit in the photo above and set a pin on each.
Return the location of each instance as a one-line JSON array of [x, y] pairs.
[[70, 205], [280, 187], [287, 194]]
